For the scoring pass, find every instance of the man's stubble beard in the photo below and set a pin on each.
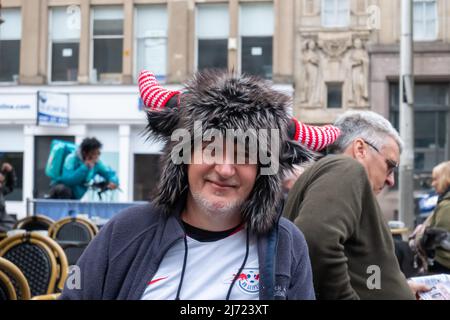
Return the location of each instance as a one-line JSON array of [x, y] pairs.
[[214, 208]]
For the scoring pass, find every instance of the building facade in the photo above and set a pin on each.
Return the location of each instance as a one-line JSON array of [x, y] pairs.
[[330, 55]]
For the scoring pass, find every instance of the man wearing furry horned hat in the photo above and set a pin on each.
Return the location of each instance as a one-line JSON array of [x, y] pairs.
[[214, 230]]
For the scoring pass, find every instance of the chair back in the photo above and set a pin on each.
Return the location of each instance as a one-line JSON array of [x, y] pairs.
[[13, 284], [73, 229], [41, 260], [73, 234], [61, 261], [34, 223]]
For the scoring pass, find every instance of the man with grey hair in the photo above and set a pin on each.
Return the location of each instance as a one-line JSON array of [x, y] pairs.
[[334, 204]]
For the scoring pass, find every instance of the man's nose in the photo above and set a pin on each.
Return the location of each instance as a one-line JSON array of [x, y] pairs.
[[225, 170], [390, 180]]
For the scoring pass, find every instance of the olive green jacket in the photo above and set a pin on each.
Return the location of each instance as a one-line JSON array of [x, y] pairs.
[[350, 244], [441, 219]]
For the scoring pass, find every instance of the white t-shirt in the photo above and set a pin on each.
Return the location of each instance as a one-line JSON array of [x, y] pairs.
[[210, 269]]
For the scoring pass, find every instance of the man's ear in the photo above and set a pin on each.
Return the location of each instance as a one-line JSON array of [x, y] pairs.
[[359, 150]]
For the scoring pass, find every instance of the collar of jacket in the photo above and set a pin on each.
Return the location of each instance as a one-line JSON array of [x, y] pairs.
[[445, 195]]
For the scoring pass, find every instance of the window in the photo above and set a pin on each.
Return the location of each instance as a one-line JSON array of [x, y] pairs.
[[431, 122], [41, 152], [107, 44], [146, 175], [64, 43], [10, 33], [151, 40], [334, 95], [425, 20], [16, 160], [256, 31], [335, 13], [212, 29]]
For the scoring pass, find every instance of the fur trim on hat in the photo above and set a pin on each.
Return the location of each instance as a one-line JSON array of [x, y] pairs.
[[222, 100]]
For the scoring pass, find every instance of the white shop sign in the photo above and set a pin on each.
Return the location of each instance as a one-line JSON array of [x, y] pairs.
[[53, 109]]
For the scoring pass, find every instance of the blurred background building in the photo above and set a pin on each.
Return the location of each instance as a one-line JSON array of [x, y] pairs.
[[330, 55]]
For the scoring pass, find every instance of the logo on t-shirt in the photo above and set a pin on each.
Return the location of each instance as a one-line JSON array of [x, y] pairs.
[[155, 280], [248, 281]]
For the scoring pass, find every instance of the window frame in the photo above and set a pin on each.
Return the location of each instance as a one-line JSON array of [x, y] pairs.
[[50, 51], [423, 21], [92, 40], [6, 83], [394, 110], [197, 38], [336, 13], [341, 87], [240, 50], [241, 36], [198, 48], [136, 39]]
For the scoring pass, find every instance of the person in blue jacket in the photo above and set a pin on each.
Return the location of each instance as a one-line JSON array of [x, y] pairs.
[[80, 168]]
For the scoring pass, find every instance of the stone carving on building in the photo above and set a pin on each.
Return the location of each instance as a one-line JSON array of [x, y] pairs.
[[333, 45], [357, 75], [329, 59], [311, 90], [332, 64]]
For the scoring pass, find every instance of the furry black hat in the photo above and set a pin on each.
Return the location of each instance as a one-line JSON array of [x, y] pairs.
[[221, 101]]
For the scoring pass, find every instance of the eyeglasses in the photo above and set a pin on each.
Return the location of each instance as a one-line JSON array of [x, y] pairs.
[[392, 166]]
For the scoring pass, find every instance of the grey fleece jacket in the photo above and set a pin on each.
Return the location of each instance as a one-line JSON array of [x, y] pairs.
[[125, 256]]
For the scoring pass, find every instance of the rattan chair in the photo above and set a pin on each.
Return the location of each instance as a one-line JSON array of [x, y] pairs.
[[13, 284], [61, 261], [7, 291], [34, 223], [41, 259], [73, 234], [73, 229], [53, 296]]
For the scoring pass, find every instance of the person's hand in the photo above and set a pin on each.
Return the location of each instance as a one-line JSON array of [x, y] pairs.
[[7, 167], [112, 186], [417, 288]]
